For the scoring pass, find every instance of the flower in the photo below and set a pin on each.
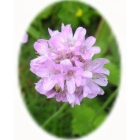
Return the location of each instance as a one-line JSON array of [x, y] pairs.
[[65, 66], [79, 13], [25, 38]]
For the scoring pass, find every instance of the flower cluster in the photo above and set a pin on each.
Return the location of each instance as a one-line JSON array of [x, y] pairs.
[[66, 68]]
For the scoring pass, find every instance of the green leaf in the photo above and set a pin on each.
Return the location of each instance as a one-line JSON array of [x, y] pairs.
[[36, 34], [99, 120], [115, 51], [104, 37], [82, 115], [46, 13], [33, 32], [114, 76]]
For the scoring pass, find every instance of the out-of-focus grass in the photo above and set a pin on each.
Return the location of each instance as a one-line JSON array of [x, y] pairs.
[[72, 122]]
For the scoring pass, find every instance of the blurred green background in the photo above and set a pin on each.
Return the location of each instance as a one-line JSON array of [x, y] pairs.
[[83, 119]]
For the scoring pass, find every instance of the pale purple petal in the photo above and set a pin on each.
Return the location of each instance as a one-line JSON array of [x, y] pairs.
[[78, 71], [77, 43], [86, 56], [77, 101], [57, 42], [50, 94], [42, 72], [66, 64], [38, 66], [100, 79], [59, 79], [41, 46], [80, 34], [104, 71], [90, 41], [98, 64], [91, 96], [62, 26], [52, 33], [86, 91], [70, 85], [101, 92], [87, 74], [79, 64], [95, 50], [58, 97], [64, 99], [67, 31], [25, 38], [48, 84], [70, 97], [78, 80], [95, 89], [39, 87]]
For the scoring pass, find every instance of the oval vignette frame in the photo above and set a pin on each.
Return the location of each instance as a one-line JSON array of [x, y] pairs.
[[28, 77]]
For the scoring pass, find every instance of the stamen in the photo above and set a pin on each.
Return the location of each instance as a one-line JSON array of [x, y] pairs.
[[70, 73], [57, 88]]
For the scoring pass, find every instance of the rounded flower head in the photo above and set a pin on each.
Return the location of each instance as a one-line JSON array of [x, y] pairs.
[[66, 68]]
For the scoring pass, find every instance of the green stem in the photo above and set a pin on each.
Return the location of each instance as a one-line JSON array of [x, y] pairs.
[[113, 95], [55, 114], [99, 28]]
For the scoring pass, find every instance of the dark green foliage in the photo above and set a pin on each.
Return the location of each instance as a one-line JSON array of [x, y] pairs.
[[80, 120]]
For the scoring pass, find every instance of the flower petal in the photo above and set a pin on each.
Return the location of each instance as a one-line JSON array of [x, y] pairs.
[[101, 92], [50, 94], [104, 71], [57, 42], [80, 34], [70, 85], [98, 64], [58, 97], [87, 74], [39, 87], [90, 41], [95, 89], [66, 64], [79, 64], [67, 31], [52, 33], [38, 66], [91, 96], [48, 84], [86, 91], [70, 97], [62, 26], [95, 49], [100, 79], [78, 80], [59, 78], [41, 46], [77, 101], [64, 99], [25, 38]]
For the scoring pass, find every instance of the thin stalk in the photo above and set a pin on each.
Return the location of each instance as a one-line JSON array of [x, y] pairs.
[[99, 28], [55, 114], [113, 95]]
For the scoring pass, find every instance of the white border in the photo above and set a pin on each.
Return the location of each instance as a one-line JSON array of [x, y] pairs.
[[113, 128]]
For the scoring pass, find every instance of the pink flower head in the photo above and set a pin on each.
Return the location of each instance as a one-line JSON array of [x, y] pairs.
[[66, 68]]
